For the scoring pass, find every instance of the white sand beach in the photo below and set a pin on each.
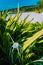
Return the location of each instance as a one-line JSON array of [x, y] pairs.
[[38, 17]]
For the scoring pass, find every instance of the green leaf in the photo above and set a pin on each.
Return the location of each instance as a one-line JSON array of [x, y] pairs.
[[32, 39]]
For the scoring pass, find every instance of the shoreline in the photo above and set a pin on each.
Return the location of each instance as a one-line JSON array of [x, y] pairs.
[[38, 17]]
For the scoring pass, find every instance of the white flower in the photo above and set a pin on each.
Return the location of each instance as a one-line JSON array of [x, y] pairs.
[[15, 45]]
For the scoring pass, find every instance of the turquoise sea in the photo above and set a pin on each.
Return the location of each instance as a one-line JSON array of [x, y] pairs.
[[9, 4]]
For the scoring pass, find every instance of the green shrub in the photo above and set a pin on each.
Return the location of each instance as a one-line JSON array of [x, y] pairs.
[[29, 36]]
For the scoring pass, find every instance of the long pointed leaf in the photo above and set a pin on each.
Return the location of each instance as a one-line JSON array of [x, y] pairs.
[[33, 38]]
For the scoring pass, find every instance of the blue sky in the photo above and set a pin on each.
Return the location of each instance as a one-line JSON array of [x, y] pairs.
[[9, 4]]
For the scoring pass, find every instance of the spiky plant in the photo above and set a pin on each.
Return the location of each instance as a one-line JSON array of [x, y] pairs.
[[29, 36]]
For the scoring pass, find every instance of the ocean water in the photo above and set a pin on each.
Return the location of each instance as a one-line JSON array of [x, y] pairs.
[[9, 4]]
